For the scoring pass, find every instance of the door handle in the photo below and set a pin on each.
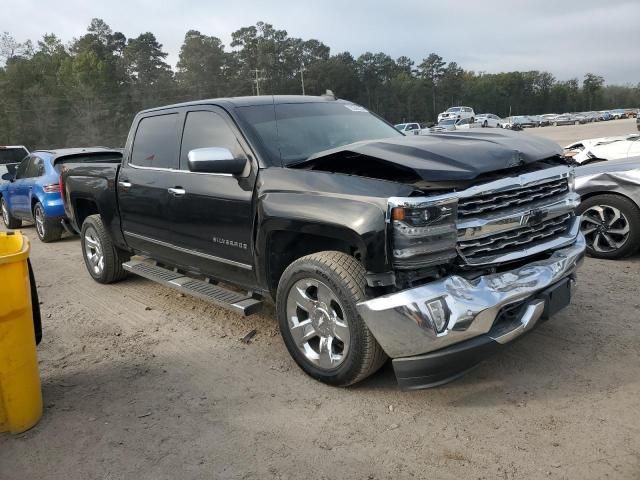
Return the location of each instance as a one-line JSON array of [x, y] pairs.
[[177, 191], [125, 184]]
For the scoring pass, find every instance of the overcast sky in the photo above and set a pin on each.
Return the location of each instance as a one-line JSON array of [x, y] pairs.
[[565, 37]]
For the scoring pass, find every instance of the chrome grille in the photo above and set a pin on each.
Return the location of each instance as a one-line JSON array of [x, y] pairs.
[[515, 197], [514, 240]]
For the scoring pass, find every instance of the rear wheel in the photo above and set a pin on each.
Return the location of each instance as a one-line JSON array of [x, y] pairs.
[[7, 218], [101, 257], [320, 325], [611, 226], [48, 230]]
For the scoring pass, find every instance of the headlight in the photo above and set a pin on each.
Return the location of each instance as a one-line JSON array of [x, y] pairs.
[[424, 231]]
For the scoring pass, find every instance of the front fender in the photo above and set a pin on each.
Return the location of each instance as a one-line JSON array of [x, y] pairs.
[[358, 223]]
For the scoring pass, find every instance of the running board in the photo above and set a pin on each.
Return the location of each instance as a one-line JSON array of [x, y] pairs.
[[237, 302]]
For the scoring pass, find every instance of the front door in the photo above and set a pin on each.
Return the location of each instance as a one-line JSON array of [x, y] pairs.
[[19, 190], [212, 214]]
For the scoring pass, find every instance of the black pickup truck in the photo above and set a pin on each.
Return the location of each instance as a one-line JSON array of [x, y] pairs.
[[432, 250]]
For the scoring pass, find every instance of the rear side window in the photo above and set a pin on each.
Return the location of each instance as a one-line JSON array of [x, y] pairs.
[[35, 168], [155, 144], [206, 129]]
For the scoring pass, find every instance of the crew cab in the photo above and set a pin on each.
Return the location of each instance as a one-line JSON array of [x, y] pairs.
[[432, 250]]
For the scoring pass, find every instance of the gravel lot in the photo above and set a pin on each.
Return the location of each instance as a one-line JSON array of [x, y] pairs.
[[141, 382]]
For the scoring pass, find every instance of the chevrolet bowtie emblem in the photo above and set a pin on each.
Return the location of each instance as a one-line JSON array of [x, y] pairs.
[[532, 217]]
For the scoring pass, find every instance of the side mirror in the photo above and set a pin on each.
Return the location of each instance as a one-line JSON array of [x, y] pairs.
[[8, 177], [216, 160]]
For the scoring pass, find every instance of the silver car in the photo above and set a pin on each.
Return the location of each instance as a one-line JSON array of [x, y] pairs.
[[610, 207]]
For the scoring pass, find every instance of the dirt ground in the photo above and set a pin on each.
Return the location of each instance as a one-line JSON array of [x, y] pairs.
[[141, 382]]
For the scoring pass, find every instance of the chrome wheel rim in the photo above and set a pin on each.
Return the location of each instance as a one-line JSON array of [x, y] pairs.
[[39, 217], [605, 228], [93, 251], [5, 213], [318, 324]]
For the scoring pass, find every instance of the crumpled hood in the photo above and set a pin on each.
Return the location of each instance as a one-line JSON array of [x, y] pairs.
[[461, 155]]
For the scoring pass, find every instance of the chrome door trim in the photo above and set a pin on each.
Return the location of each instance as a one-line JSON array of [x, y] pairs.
[[189, 251], [177, 170]]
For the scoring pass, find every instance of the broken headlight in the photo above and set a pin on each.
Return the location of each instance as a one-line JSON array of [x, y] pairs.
[[424, 231]]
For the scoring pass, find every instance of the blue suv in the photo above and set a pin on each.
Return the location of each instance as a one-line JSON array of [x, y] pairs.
[[33, 190], [33, 194]]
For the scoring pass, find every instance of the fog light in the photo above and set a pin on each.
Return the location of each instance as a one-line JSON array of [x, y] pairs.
[[439, 314]]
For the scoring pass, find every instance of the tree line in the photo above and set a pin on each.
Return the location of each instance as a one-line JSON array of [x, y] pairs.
[[86, 92]]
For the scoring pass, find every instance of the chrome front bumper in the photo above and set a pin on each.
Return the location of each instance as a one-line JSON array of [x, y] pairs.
[[402, 325]]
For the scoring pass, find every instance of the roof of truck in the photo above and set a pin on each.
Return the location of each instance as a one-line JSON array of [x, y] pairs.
[[254, 100]]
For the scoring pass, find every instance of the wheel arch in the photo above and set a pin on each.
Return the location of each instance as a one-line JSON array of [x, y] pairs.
[[83, 208], [281, 247], [597, 193]]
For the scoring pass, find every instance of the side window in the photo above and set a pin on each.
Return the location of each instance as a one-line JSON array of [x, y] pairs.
[[21, 172], [35, 168], [155, 144], [206, 129]]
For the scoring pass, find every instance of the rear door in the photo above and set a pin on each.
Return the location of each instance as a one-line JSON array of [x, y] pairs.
[[147, 173], [34, 172]]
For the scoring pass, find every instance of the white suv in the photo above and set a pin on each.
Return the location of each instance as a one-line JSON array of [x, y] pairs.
[[457, 112]]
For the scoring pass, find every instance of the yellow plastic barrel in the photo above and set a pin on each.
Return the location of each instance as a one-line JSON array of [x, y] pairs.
[[20, 393]]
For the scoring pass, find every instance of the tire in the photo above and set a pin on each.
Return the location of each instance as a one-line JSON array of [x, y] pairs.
[[101, 257], [602, 242], [9, 221], [48, 230], [339, 283]]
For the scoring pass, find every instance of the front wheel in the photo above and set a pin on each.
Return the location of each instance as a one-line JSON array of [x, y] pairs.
[[320, 325], [9, 221], [101, 257], [48, 230], [611, 226]]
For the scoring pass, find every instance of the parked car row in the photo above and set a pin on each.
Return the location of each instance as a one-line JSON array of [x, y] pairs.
[[462, 117]]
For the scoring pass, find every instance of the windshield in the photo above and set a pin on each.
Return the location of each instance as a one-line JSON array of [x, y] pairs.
[[12, 155], [400, 126], [304, 129], [454, 109]]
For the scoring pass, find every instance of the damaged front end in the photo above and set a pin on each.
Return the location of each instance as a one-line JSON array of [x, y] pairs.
[[485, 246], [511, 249]]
